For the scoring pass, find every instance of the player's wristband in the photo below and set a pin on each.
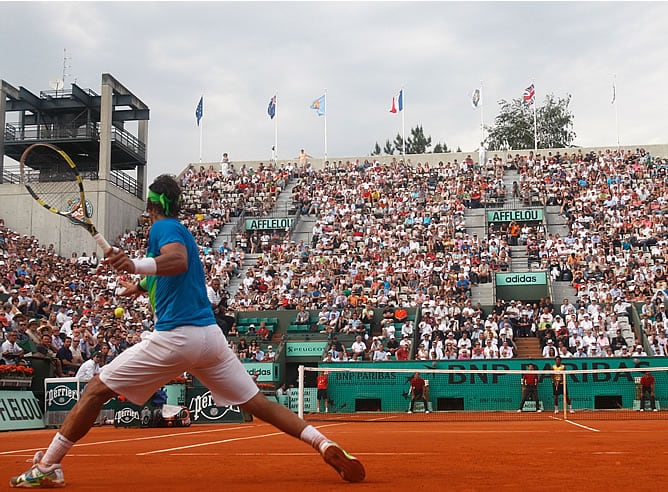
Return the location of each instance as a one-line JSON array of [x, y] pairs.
[[143, 285], [145, 266]]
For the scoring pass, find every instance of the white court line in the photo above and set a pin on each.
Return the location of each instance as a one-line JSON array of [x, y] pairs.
[[576, 424], [147, 438], [246, 438], [582, 426], [299, 454], [190, 446]]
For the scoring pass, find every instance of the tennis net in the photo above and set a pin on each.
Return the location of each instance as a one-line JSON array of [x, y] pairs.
[[376, 393]]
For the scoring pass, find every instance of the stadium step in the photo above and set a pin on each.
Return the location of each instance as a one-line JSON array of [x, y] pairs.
[[528, 348]]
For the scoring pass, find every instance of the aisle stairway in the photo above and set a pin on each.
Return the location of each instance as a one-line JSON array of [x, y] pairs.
[[527, 348]]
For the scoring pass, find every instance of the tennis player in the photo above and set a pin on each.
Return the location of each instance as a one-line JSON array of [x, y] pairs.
[[558, 385], [186, 338]]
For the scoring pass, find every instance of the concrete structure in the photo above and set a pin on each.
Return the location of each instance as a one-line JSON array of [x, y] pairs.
[[91, 129], [434, 159]]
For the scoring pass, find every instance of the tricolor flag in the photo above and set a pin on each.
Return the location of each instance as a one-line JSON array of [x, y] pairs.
[[529, 95], [398, 102], [271, 110], [319, 105], [476, 98], [614, 92], [199, 112]]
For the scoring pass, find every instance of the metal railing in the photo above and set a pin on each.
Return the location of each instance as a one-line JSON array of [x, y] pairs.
[[85, 131], [126, 183]]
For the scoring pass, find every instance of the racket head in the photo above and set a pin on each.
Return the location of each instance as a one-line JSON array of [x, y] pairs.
[[53, 180]]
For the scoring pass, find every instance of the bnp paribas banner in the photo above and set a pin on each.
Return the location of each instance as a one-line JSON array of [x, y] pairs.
[[388, 391]]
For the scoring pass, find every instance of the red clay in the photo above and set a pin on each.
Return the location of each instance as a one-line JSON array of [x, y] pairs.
[[547, 455]]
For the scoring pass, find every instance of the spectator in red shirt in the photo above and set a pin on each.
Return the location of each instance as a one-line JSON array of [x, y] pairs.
[[402, 353], [263, 331]]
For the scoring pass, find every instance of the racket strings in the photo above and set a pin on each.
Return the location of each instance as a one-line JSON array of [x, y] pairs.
[[52, 179]]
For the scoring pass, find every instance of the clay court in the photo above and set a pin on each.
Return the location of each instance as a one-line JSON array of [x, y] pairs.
[[547, 454]]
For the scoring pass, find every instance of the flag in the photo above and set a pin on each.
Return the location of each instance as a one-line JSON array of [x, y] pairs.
[[614, 92], [398, 102], [476, 98], [199, 112], [319, 105], [271, 110], [529, 95]]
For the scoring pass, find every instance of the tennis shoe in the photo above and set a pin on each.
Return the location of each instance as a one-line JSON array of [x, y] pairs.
[[349, 467], [39, 477]]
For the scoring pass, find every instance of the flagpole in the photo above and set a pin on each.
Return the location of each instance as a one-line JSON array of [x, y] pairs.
[[276, 129], [403, 123], [614, 100], [325, 126], [535, 124], [201, 125], [482, 111]]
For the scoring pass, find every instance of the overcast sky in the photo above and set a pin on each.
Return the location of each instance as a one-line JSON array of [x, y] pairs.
[[238, 54]]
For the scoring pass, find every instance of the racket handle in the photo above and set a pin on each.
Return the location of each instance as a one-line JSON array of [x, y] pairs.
[[102, 243]]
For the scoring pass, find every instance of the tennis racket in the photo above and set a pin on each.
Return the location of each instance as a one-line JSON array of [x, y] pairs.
[[57, 186]]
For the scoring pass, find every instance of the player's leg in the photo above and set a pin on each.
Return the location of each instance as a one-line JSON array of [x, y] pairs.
[[284, 419], [556, 399], [536, 399], [220, 370], [46, 470]]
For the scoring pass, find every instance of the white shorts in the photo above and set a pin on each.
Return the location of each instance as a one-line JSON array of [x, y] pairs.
[[201, 350]]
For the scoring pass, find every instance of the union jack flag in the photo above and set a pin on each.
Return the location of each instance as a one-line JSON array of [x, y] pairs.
[[529, 95]]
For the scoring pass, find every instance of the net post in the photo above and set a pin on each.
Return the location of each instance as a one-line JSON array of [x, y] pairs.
[[565, 395], [300, 392]]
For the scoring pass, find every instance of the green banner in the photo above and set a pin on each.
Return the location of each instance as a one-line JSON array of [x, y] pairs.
[[19, 410], [305, 349], [60, 394], [274, 223], [530, 215], [487, 392], [269, 372], [517, 279], [203, 409]]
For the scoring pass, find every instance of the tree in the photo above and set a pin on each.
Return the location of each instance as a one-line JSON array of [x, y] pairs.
[[440, 148], [417, 143], [514, 129], [388, 149], [399, 144]]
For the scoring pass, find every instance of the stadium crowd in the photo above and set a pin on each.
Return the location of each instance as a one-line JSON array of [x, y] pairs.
[[386, 237]]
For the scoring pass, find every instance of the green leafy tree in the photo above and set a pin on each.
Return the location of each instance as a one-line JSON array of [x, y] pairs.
[[418, 143], [376, 150], [441, 148], [399, 144], [514, 129], [388, 149]]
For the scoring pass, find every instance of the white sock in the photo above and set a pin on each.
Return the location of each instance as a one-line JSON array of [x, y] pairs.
[[57, 450], [313, 436]]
